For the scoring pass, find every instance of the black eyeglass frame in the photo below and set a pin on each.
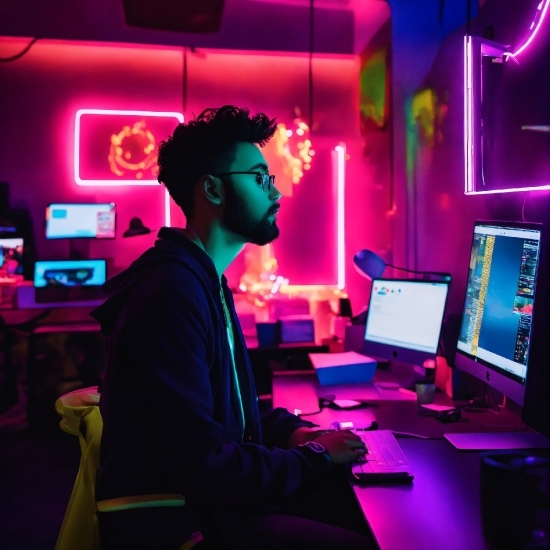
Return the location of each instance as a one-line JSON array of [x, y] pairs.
[[265, 180]]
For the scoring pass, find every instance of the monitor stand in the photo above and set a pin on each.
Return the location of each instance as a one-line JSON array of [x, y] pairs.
[[493, 441]]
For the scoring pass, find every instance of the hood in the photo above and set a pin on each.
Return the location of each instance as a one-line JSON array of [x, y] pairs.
[[171, 247]]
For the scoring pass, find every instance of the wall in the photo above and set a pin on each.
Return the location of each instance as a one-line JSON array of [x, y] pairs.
[[245, 25], [42, 90], [440, 216], [434, 219]]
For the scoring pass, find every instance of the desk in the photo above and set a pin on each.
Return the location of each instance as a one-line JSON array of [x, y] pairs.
[[34, 324], [441, 509]]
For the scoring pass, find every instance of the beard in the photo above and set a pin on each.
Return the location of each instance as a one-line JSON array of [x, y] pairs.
[[238, 219]]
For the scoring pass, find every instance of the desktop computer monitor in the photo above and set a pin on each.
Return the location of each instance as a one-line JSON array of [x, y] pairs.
[[70, 273], [404, 319], [11, 255], [80, 221], [495, 334]]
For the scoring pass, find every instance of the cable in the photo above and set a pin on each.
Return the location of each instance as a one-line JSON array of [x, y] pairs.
[[415, 436], [310, 76], [308, 414], [523, 207], [184, 98], [21, 53]]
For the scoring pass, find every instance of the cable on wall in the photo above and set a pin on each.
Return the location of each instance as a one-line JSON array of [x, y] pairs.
[[184, 84], [21, 53]]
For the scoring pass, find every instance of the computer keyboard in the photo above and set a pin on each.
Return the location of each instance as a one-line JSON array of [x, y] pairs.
[[383, 453]]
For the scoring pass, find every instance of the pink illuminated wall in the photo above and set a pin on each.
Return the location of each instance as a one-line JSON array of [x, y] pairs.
[[37, 113], [54, 81]]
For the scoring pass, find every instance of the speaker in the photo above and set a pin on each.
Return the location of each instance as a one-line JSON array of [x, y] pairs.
[[197, 16]]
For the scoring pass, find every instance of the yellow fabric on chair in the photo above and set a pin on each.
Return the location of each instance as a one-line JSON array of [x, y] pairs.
[[81, 417], [80, 528]]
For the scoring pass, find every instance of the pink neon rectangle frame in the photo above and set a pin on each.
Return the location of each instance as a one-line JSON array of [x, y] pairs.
[[339, 178], [107, 182], [474, 47]]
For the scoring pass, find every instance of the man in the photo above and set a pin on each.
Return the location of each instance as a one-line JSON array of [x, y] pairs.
[[178, 399]]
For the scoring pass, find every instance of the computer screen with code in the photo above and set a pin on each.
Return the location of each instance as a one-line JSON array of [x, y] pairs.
[[495, 334]]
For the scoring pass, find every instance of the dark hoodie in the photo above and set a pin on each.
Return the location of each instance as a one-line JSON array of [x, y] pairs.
[[172, 421]]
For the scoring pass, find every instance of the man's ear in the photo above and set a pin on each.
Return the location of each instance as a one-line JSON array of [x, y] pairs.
[[210, 188]]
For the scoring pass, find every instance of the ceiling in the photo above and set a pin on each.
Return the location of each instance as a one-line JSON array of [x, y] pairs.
[[341, 26]]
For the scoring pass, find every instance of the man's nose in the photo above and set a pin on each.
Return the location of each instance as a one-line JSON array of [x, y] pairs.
[[274, 193]]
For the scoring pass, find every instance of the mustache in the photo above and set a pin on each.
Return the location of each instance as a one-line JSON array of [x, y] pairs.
[[274, 209]]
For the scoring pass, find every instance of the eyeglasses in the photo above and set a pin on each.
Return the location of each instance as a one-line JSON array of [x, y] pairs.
[[265, 180]]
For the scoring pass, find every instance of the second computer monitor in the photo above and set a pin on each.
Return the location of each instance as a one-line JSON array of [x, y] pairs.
[[80, 221], [404, 319], [495, 334]]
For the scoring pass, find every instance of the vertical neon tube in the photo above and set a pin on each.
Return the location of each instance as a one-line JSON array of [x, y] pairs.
[[468, 117], [341, 184], [166, 208]]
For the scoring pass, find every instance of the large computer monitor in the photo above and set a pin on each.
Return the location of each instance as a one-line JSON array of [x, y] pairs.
[[495, 334], [404, 319], [80, 221]]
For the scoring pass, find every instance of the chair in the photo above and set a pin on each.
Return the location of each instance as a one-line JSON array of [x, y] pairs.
[[80, 528]]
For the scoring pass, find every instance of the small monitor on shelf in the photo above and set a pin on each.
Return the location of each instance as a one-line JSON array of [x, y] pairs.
[[80, 221], [404, 319], [69, 280], [495, 334], [11, 256]]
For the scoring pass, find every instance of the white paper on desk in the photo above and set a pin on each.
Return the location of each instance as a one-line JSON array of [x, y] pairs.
[[437, 408]]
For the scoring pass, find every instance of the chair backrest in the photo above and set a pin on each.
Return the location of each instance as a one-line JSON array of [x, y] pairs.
[[80, 416]]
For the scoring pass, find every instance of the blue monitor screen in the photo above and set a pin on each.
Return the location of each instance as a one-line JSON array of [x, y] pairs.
[[73, 221], [69, 273], [496, 322]]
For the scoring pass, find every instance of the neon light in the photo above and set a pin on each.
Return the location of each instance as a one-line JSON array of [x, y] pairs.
[[341, 182], [339, 173], [468, 118], [511, 190], [166, 208], [542, 12], [111, 182]]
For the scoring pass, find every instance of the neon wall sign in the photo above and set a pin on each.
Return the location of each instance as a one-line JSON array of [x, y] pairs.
[[115, 147]]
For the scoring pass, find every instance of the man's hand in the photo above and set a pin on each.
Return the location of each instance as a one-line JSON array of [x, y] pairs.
[[343, 446], [303, 435]]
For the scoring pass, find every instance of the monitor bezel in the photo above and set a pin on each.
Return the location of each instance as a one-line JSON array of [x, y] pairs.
[[491, 374], [399, 353], [80, 237]]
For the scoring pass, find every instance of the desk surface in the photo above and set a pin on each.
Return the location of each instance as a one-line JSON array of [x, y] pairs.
[[441, 509]]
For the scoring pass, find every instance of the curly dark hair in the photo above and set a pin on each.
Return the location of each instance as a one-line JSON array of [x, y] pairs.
[[206, 145]]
